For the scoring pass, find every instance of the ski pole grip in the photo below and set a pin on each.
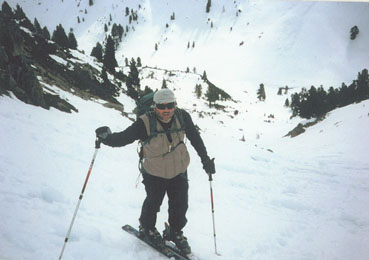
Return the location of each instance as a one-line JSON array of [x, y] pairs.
[[210, 177], [97, 143]]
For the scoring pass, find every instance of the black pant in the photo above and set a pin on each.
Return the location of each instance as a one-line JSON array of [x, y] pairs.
[[177, 190]]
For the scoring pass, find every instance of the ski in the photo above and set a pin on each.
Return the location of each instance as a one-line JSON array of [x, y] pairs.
[[169, 251], [173, 247]]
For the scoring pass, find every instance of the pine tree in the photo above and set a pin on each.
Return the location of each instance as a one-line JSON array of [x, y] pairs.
[[6, 10], [261, 93], [354, 32], [72, 40], [208, 5], [97, 52], [18, 13], [295, 104], [133, 81], [109, 60], [22, 18], [198, 90], [211, 95], [37, 27], [343, 95], [139, 64], [46, 33], [90, 2], [121, 31], [164, 84], [204, 76], [60, 37], [133, 73], [322, 106], [332, 98], [117, 33], [362, 91]]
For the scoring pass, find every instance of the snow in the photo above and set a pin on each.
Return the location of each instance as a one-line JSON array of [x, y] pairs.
[[304, 200], [58, 59], [275, 197]]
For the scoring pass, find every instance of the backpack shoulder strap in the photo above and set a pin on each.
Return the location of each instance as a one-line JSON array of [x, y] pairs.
[[152, 123], [152, 127], [179, 114]]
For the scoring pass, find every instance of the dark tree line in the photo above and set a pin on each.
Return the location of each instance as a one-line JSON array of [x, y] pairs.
[[60, 37], [214, 94], [19, 50], [316, 102]]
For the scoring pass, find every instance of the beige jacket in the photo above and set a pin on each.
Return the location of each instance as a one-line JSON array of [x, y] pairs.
[[164, 159]]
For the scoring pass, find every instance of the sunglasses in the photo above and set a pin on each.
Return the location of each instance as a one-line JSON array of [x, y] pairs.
[[163, 106]]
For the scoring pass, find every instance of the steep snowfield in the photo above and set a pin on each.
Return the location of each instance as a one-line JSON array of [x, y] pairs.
[[304, 200]]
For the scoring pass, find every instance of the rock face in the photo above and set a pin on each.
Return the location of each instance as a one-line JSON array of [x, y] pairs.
[[299, 129], [26, 67], [17, 49]]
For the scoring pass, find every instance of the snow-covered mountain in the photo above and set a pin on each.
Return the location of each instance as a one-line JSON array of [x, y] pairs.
[[275, 197], [277, 43]]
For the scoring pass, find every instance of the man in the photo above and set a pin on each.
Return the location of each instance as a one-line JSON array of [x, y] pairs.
[[164, 164]]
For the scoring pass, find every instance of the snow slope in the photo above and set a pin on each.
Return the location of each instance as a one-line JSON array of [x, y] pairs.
[[305, 200]]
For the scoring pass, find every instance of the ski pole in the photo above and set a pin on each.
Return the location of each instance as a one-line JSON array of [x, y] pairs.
[[97, 146], [212, 211]]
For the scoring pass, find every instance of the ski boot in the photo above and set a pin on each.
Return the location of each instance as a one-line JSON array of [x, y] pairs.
[[152, 236], [178, 238]]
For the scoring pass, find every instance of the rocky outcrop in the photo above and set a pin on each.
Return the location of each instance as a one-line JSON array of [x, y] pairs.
[[25, 60]]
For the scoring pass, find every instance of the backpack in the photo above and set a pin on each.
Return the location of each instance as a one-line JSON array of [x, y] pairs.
[[145, 104]]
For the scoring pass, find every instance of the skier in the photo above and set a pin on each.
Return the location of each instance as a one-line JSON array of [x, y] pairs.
[[164, 165]]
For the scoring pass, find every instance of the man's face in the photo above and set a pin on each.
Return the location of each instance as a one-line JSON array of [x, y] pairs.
[[165, 111]]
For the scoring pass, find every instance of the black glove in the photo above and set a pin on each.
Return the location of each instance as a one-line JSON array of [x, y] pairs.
[[209, 166], [102, 133]]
